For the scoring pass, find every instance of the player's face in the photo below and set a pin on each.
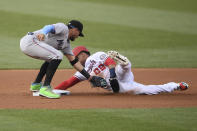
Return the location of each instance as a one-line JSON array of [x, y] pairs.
[[82, 58], [74, 34]]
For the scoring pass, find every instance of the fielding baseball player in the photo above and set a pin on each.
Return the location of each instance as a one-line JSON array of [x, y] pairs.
[[48, 44], [116, 70]]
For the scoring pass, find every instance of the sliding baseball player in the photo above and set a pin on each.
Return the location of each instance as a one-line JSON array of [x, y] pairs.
[[116, 70]]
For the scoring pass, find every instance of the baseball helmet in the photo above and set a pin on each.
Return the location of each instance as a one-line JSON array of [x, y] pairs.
[[77, 50]]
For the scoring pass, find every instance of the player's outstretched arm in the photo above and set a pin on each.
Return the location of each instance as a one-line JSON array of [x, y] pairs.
[[67, 83], [95, 80]]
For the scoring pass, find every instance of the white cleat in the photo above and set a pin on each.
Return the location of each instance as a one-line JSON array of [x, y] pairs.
[[61, 92], [118, 57]]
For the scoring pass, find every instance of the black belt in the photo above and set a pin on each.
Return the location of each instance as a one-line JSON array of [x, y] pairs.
[[30, 33]]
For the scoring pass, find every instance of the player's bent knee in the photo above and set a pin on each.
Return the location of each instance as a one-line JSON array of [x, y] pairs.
[[23, 46], [58, 56], [129, 65]]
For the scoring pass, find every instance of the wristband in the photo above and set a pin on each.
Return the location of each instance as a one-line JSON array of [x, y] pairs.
[[74, 61], [85, 73]]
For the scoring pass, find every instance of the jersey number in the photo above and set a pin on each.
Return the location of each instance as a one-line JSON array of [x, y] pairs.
[[100, 68]]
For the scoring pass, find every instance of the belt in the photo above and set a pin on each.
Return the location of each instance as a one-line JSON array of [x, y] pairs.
[[30, 33]]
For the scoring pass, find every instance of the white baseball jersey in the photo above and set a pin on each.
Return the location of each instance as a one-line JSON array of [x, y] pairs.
[[95, 66], [49, 48]]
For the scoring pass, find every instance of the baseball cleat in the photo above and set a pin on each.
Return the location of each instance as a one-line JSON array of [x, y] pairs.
[[61, 92], [182, 86], [35, 86], [46, 91], [118, 57]]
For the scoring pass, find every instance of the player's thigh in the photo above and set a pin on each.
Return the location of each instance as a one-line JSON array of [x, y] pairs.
[[43, 51]]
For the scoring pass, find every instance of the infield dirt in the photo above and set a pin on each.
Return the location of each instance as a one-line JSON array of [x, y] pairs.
[[15, 93]]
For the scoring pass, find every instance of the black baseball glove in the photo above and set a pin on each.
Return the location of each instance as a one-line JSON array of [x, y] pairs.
[[114, 85], [97, 81]]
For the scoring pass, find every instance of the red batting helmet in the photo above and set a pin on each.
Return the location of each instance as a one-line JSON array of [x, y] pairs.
[[77, 50]]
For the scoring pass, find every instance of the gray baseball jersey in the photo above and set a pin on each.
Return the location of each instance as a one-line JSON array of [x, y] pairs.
[[51, 46], [58, 40]]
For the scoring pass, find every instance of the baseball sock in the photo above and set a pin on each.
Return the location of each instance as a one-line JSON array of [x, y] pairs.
[[52, 67], [42, 72]]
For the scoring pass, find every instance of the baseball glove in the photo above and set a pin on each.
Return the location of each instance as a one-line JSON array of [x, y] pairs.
[[114, 84], [97, 81]]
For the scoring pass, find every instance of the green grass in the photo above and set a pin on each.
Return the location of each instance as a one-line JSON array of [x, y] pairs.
[[176, 119], [152, 33], [181, 5]]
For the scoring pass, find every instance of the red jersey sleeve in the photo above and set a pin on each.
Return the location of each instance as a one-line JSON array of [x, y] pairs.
[[109, 61], [67, 83]]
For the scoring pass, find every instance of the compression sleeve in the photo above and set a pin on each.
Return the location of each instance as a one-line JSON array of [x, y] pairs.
[[48, 28], [109, 61], [67, 83]]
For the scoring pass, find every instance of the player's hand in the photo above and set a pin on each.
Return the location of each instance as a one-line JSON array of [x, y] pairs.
[[40, 37], [97, 81]]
